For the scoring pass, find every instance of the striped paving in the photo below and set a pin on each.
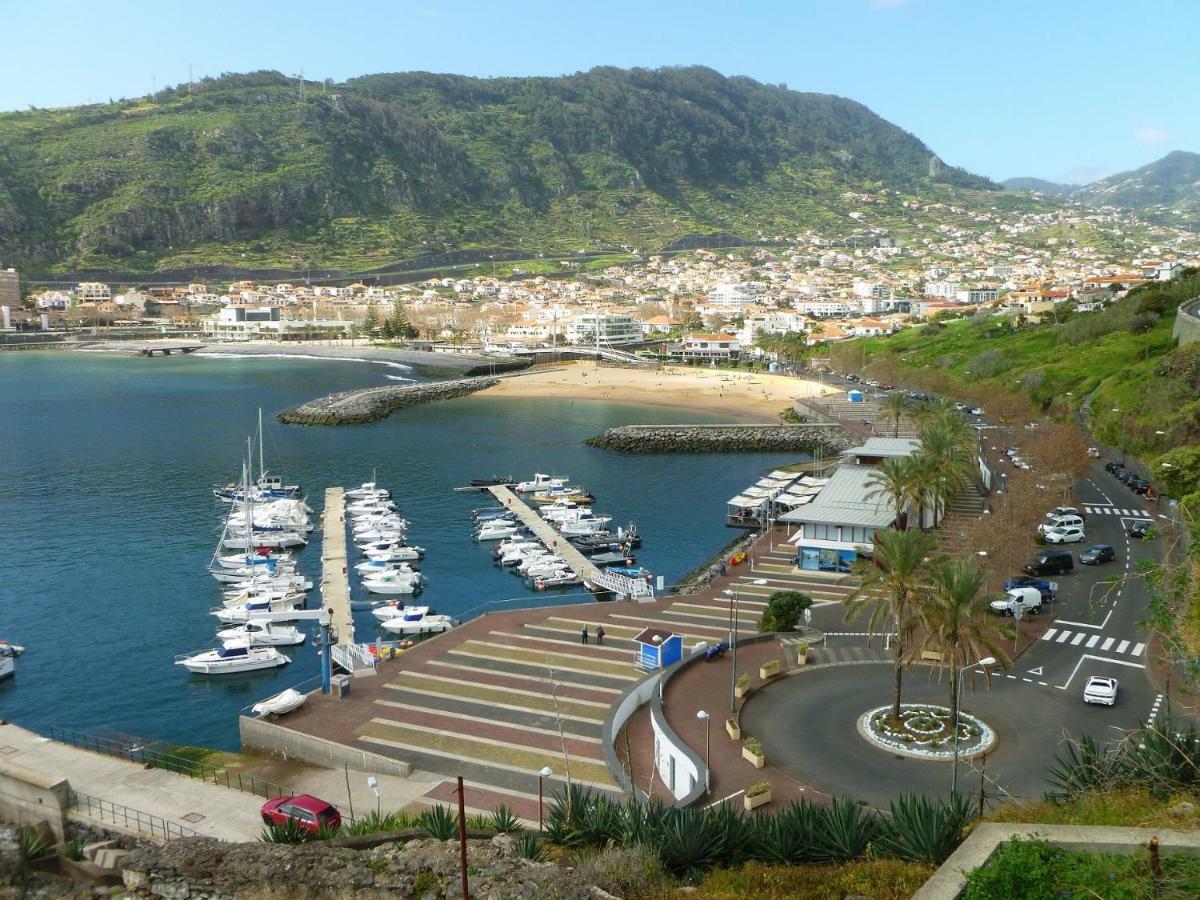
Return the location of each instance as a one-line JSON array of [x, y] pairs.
[[519, 682], [1091, 641], [537, 672], [549, 659], [479, 709], [475, 727], [500, 697], [1117, 511]]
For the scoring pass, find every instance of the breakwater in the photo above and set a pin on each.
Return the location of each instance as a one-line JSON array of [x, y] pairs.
[[370, 404], [808, 438]]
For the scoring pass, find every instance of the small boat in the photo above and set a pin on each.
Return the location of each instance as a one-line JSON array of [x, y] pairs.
[[240, 560], [265, 633], [393, 582], [629, 571], [418, 620], [611, 557], [491, 482], [394, 608], [8, 655], [396, 554], [574, 495], [368, 490], [541, 482], [486, 515], [549, 581], [231, 658], [281, 704], [231, 615]]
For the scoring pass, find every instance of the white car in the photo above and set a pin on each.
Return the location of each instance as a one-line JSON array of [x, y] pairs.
[[1067, 534], [1101, 689], [976, 411], [1055, 522]]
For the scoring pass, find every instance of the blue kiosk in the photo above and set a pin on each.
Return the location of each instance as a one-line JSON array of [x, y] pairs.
[[657, 648]]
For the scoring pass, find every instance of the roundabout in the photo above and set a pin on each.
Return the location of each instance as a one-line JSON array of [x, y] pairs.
[[926, 731]]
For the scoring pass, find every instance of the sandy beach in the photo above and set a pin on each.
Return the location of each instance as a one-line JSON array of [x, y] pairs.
[[741, 396]]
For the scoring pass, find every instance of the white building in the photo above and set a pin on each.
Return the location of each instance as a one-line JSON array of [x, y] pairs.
[[730, 295], [823, 308], [708, 347], [614, 329], [947, 289], [977, 295], [93, 292]]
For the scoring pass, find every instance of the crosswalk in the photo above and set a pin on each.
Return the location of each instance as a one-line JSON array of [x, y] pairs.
[[1088, 641], [1115, 511]]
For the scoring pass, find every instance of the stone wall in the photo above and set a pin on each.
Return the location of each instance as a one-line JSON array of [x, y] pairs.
[[369, 404], [258, 734], [28, 796], [1187, 323], [828, 438]]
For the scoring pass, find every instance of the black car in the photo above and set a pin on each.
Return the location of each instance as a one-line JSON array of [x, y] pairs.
[[1140, 530], [1051, 562], [1139, 486], [1096, 554], [1113, 468]]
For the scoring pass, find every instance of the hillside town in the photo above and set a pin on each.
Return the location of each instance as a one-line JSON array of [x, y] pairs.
[[701, 305]]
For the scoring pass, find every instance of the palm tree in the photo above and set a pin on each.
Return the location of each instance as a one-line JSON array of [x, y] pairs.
[[895, 405], [893, 586], [944, 465], [956, 623], [899, 480]]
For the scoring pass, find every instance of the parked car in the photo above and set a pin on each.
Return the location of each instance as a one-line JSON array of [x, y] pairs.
[[1139, 485], [1028, 600], [1048, 589], [1093, 452], [1051, 562], [1063, 511], [1139, 530], [1066, 534], [1101, 689], [1071, 521], [1113, 468], [307, 811], [976, 411], [853, 377], [1096, 554]]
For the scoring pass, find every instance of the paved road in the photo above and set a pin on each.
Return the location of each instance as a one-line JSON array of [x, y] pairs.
[[807, 724]]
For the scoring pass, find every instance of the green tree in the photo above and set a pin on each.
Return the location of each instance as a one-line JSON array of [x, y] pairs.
[[386, 330], [784, 610], [892, 587], [371, 322], [895, 405], [956, 624], [401, 327], [900, 481]]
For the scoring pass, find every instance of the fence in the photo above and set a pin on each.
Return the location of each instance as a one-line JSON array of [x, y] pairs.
[[138, 751], [124, 817]]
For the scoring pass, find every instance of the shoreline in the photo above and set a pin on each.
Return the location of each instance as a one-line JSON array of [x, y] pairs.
[[742, 396]]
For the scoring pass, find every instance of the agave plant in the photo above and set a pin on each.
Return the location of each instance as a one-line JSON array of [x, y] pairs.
[[504, 820], [1162, 759], [438, 822], [377, 823], [479, 822], [789, 836], [690, 843], [739, 835], [642, 823], [288, 832], [34, 845], [1083, 765], [845, 830], [922, 830], [529, 846]]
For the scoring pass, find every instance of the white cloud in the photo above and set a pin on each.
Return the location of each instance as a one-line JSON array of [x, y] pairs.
[[1148, 134]]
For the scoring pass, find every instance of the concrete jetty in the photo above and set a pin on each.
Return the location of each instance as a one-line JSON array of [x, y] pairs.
[[829, 438], [335, 582], [370, 404]]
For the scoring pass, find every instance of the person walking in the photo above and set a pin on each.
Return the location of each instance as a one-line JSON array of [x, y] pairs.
[[583, 635], [600, 635]]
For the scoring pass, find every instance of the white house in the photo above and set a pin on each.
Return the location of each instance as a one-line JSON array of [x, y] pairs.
[[613, 329], [708, 347]]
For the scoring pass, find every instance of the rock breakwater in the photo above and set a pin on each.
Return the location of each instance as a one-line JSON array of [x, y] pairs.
[[370, 404], [807, 438]]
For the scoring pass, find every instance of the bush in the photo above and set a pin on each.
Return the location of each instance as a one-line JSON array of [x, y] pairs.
[[623, 871], [761, 787], [438, 822], [754, 745], [33, 844], [784, 610], [377, 823], [529, 846], [924, 830], [504, 820], [290, 832]]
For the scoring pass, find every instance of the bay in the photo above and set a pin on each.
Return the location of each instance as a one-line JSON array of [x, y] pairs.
[[107, 519]]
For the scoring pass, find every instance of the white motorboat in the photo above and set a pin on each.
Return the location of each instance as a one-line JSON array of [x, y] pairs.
[[235, 615], [8, 658], [375, 504], [369, 567], [375, 536], [265, 633], [236, 576], [395, 554], [241, 560], [392, 609], [548, 565], [520, 555], [368, 490], [281, 704], [261, 595], [542, 482], [231, 658], [274, 584], [393, 582], [237, 539], [582, 528], [418, 620]]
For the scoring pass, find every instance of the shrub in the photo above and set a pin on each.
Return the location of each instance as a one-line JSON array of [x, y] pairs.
[[784, 610], [623, 871], [761, 788], [73, 850], [690, 842], [290, 832], [33, 844], [924, 830], [504, 820], [743, 680], [754, 745], [479, 822], [846, 830], [1021, 868], [438, 822], [529, 846], [377, 823]]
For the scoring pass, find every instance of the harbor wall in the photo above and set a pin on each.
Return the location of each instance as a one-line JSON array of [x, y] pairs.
[[370, 404], [828, 438], [28, 796], [258, 734]]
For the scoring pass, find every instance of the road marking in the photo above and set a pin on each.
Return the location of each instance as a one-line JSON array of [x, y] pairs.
[[1137, 649], [1037, 671], [1062, 637], [1103, 659], [1050, 632], [1086, 624], [1121, 647], [1078, 639], [1108, 642], [1093, 641], [1158, 699]]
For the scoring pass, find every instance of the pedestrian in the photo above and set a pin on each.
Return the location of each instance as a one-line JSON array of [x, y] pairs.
[[723, 569], [600, 635], [583, 635]]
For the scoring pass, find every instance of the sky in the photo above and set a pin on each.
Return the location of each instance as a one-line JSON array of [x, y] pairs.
[[1061, 89]]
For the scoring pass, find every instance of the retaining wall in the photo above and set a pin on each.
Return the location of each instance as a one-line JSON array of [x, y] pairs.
[[370, 404], [1187, 323], [830, 439], [28, 796], [283, 742]]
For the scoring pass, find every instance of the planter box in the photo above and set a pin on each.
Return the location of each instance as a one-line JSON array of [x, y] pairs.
[[758, 759], [757, 800], [734, 730], [768, 670], [740, 691]]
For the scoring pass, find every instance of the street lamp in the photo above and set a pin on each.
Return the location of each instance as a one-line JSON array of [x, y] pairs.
[[733, 626], [545, 773], [983, 663], [707, 751], [373, 784]]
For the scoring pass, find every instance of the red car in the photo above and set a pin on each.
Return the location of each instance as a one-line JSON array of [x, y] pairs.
[[307, 811]]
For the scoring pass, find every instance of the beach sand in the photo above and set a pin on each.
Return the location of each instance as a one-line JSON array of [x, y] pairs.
[[741, 396]]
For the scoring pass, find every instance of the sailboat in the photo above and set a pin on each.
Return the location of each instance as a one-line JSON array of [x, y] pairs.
[[265, 487]]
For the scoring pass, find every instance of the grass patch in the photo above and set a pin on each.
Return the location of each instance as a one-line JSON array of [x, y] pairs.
[[1131, 807], [880, 879]]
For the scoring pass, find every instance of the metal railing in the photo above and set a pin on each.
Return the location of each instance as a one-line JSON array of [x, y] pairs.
[[143, 752], [125, 817]]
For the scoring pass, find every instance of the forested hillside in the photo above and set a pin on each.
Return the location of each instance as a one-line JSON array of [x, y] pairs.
[[265, 169]]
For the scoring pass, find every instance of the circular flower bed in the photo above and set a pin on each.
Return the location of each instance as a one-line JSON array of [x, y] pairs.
[[926, 731]]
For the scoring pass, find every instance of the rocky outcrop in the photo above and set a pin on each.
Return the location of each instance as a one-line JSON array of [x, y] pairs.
[[807, 438], [370, 404]]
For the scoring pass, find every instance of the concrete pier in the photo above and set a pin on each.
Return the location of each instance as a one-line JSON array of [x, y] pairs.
[[335, 582], [555, 542]]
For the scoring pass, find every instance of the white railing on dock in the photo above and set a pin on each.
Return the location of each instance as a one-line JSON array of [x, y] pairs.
[[622, 585], [352, 657]]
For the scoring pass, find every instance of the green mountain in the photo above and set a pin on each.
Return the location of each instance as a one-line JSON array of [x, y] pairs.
[[1172, 182], [263, 169], [1051, 188]]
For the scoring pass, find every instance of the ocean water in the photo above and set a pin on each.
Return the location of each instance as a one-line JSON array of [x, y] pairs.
[[107, 519]]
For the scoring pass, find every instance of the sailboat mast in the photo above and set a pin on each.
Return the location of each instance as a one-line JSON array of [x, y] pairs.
[[261, 469]]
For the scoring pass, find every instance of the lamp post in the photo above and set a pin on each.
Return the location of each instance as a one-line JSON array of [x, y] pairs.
[[985, 662], [733, 626], [373, 784], [545, 773], [707, 751]]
